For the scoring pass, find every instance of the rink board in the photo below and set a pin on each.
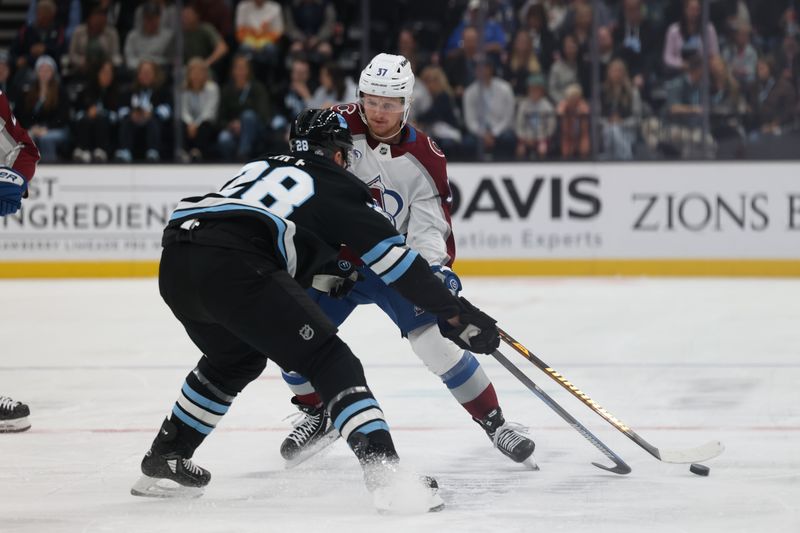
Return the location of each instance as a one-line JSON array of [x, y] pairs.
[[676, 219]]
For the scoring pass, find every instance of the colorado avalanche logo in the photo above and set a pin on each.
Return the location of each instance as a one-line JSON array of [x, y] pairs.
[[390, 201]]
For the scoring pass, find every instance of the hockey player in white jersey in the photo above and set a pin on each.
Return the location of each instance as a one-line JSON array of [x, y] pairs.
[[407, 174]]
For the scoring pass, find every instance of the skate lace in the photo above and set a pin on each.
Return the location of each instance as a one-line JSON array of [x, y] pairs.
[[305, 425], [191, 467], [509, 435], [7, 404]]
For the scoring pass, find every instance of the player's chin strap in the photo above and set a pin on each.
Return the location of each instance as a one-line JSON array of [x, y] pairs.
[[390, 137]]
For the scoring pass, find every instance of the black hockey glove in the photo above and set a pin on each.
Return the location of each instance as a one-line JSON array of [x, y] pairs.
[[477, 331], [337, 278]]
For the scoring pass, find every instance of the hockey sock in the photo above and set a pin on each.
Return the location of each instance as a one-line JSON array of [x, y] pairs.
[[470, 385], [200, 407], [339, 377], [302, 389]]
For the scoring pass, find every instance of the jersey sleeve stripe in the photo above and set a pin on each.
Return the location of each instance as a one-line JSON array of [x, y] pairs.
[[389, 259], [400, 268], [379, 249]]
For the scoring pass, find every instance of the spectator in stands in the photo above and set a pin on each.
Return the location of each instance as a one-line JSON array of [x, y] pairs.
[[565, 70], [522, 62], [788, 60], [544, 42], [494, 38], [243, 112], [200, 39], [93, 43], [741, 57], [143, 114], [334, 87], [684, 39], [69, 14], [199, 105], [536, 121], [460, 65], [259, 28], [440, 120], [573, 118], [771, 101], [726, 101], [41, 37], [578, 19], [43, 109], [489, 112], [635, 41], [218, 14], [408, 48], [6, 83], [309, 26], [621, 110], [96, 117], [298, 94], [769, 19], [684, 99], [169, 14], [151, 41]]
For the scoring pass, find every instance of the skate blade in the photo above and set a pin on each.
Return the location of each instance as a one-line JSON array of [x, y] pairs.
[[15, 426], [530, 463], [315, 448], [153, 487]]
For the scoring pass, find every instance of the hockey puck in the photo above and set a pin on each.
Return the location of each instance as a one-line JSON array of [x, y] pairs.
[[700, 470]]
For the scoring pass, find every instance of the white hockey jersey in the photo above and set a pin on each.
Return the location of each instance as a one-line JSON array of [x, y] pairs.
[[409, 181]]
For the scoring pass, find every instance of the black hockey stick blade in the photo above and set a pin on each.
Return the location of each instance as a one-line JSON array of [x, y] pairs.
[[690, 455], [620, 467]]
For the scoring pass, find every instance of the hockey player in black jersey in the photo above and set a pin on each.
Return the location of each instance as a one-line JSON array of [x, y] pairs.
[[233, 271]]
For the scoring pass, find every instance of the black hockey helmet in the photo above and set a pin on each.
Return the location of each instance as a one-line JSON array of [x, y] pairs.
[[321, 131]]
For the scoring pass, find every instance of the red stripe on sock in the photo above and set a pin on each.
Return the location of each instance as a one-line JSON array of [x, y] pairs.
[[312, 399], [485, 402]]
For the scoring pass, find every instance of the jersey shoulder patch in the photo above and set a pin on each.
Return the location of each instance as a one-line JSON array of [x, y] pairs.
[[351, 115]]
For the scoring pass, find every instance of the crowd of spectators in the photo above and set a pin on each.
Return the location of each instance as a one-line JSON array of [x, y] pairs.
[[98, 80]]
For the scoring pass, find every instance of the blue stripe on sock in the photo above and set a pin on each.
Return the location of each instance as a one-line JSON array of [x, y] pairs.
[[372, 426], [191, 422], [380, 248], [400, 268], [202, 401], [293, 379], [459, 374], [352, 409]]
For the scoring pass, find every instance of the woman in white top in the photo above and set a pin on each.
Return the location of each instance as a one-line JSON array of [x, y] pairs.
[[199, 106]]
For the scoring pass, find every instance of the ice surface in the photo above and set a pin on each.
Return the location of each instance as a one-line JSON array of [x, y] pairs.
[[680, 361]]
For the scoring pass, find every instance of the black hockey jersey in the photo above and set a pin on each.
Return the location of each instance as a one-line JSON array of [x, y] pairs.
[[299, 210]]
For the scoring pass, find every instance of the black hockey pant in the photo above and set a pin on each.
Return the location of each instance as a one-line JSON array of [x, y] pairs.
[[240, 309]]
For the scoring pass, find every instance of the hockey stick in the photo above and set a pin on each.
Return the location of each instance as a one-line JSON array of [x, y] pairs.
[[691, 455], [620, 466]]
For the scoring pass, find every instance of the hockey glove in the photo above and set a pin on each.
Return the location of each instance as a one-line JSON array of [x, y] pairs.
[[12, 187], [477, 331], [448, 277], [337, 278]]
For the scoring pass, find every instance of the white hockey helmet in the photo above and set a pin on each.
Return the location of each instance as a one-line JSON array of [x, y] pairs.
[[387, 75]]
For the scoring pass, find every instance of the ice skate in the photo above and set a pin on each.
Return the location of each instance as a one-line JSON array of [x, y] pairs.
[[13, 416], [169, 474], [311, 434], [509, 438]]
